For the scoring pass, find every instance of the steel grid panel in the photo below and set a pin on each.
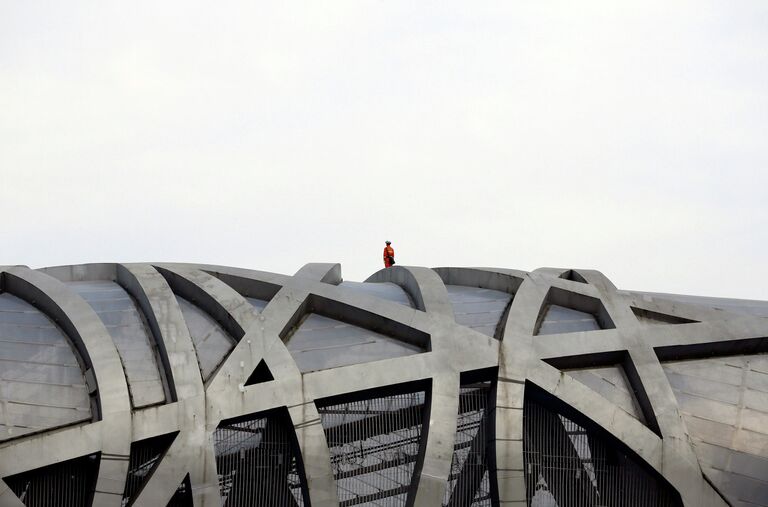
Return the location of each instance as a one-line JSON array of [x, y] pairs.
[[374, 445]]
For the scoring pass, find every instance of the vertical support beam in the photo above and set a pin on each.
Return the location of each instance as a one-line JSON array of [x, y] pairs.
[[429, 294], [516, 356], [438, 454], [510, 474], [315, 454]]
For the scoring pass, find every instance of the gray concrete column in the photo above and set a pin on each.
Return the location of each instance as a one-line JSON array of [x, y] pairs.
[[515, 357], [441, 435]]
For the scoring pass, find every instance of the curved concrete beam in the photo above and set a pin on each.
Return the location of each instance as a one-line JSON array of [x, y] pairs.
[[230, 309], [423, 285], [325, 272], [508, 280], [95, 345], [191, 451], [454, 349]]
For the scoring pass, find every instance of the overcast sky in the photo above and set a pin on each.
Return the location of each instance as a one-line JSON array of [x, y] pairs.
[[629, 139]]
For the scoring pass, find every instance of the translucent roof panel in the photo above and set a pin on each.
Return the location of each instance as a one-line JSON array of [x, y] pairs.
[[258, 304], [479, 309], [212, 343], [321, 342], [745, 306], [131, 335], [43, 385], [724, 403], [611, 382], [559, 319], [384, 290]]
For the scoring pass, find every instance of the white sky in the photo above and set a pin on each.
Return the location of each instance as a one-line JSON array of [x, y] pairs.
[[629, 138]]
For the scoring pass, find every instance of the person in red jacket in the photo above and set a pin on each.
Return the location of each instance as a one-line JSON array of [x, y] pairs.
[[389, 255]]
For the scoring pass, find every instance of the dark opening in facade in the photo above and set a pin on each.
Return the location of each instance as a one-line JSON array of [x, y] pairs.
[[70, 483], [376, 445], [570, 462], [258, 461], [471, 479], [145, 456]]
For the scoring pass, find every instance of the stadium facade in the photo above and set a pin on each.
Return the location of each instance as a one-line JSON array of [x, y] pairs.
[[197, 385]]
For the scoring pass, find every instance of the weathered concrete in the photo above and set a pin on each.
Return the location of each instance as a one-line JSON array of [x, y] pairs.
[[195, 408]]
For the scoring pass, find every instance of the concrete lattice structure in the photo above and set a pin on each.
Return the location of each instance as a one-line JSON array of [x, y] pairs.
[[175, 384]]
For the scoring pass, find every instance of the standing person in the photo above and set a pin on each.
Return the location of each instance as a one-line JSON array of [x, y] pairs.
[[389, 255]]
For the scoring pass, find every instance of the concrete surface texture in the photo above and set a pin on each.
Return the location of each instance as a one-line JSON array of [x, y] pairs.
[[200, 385]]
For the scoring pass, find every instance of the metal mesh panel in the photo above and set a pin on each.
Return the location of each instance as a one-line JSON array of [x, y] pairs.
[[66, 484], [145, 456], [258, 462], [469, 482], [374, 446], [568, 465]]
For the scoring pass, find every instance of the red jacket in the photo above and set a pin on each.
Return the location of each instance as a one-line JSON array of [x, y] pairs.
[[388, 252]]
